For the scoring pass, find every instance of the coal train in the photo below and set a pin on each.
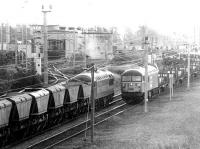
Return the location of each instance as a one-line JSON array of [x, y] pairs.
[[133, 80], [34, 110], [31, 111]]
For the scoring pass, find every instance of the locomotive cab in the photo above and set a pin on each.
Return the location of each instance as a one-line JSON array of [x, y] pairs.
[[133, 83]]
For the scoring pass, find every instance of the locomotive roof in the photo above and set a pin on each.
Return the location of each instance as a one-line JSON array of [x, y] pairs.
[[141, 70], [98, 75]]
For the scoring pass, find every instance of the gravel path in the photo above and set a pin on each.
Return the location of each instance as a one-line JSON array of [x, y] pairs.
[[168, 124]]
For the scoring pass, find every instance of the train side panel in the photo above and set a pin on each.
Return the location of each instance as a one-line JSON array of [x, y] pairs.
[[86, 90], [73, 93], [5, 110], [58, 92], [105, 88], [153, 81], [42, 99], [23, 104]]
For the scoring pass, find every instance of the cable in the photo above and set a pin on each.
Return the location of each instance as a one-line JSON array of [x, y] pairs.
[[60, 72], [21, 78], [56, 79]]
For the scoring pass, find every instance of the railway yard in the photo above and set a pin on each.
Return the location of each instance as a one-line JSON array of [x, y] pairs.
[[168, 124], [130, 81], [59, 115]]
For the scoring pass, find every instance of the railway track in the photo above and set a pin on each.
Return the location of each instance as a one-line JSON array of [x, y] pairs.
[[79, 128], [117, 98]]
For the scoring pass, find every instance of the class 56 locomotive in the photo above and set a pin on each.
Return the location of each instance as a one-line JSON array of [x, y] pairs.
[[133, 83]]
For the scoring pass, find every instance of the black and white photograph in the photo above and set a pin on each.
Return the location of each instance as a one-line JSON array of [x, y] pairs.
[[99, 74]]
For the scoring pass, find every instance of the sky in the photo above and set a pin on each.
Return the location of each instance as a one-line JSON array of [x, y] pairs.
[[165, 16]]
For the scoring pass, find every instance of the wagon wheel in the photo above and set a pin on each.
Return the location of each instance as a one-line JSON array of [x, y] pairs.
[[44, 124], [60, 118], [1, 142], [20, 134], [27, 131], [108, 100], [50, 122], [65, 116], [4, 140], [33, 129]]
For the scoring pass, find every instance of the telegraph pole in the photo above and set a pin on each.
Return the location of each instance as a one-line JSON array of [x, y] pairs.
[[194, 35], [146, 74], [92, 104], [170, 84], [45, 48], [188, 79], [85, 58], [170, 87], [112, 41], [74, 49], [106, 49], [26, 50], [1, 36], [16, 49], [22, 53]]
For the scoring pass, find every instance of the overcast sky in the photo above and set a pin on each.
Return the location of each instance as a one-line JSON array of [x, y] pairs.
[[166, 16]]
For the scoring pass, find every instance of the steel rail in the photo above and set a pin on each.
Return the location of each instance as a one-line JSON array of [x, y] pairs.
[[60, 137], [56, 126]]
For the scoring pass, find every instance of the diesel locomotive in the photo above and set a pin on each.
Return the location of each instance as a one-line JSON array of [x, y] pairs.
[[133, 83]]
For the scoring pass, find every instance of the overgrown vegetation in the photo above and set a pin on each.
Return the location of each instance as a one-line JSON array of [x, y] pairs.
[[17, 78]]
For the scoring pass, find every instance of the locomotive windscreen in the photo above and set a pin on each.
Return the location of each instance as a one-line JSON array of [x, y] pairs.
[[126, 78], [131, 78], [136, 78]]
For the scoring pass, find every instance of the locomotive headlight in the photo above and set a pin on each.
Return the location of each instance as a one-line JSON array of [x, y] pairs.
[[131, 84], [124, 85]]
